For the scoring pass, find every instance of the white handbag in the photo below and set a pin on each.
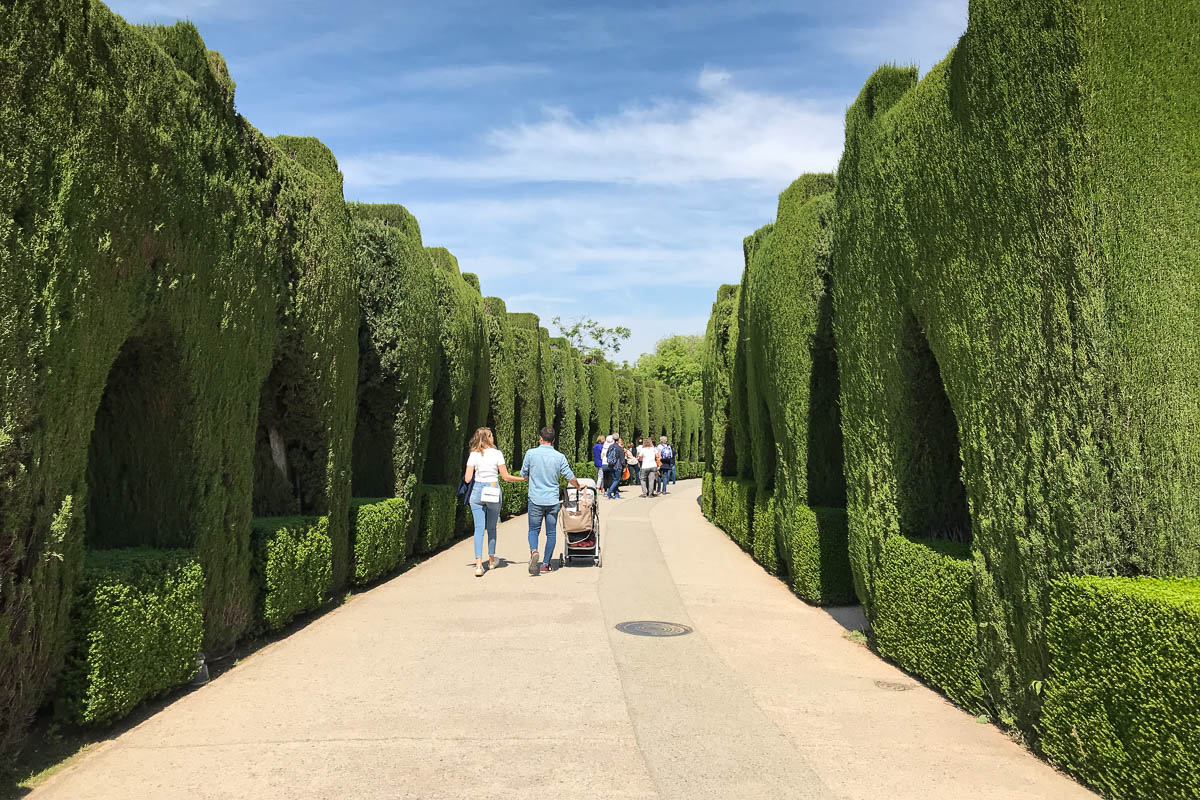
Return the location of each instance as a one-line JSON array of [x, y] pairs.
[[490, 494]]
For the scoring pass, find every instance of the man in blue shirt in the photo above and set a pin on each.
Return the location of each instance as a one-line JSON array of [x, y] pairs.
[[543, 465]]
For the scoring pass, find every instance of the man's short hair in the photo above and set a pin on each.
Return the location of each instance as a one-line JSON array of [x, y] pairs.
[[662, 439], [547, 434]]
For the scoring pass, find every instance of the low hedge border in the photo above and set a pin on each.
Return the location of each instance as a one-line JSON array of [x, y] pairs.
[[515, 499], [139, 625], [815, 540], [292, 567], [1122, 701], [765, 549], [377, 530], [923, 618], [707, 496], [733, 509], [438, 513]]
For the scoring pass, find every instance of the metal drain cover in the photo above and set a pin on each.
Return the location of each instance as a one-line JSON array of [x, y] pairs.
[[893, 686], [653, 628]]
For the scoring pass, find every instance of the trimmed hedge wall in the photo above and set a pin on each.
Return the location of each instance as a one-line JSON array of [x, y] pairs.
[[546, 373], [764, 546], [717, 363], [292, 567], [515, 499], [138, 626], [1007, 211], [923, 618], [583, 411], [563, 360], [396, 339], [603, 386], [708, 492], [438, 509], [502, 409], [527, 358], [378, 528], [1122, 700]]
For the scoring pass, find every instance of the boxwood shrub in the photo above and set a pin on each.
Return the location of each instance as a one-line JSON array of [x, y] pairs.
[[707, 496], [814, 542], [292, 567], [438, 517], [514, 500], [765, 549], [138, 626], [1122, 700], [377, 528], [923, 618], [733, 509]]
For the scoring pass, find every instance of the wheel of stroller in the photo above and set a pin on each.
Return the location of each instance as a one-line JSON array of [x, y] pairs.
[[599, 559], [562, 561]]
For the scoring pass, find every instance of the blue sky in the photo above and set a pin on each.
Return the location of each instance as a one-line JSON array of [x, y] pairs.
[[599, 159]]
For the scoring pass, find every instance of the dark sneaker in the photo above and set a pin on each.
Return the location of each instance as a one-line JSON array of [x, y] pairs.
[[533, 563]]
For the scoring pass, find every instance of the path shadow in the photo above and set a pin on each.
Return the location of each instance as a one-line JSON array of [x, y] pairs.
[[852, 618]]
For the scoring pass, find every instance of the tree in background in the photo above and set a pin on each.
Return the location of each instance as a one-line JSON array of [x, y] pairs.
[[676, 362], [591, 338]]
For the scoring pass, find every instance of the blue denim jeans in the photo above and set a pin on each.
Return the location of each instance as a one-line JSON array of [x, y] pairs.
[[613, 482], [485, 515], [665, 475], [537, 513]]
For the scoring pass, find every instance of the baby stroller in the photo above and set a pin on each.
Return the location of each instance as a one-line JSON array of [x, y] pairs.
[[580, 521]]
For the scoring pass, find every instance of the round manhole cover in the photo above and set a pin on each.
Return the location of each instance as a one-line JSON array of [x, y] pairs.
[[894, 686], [652, 628]]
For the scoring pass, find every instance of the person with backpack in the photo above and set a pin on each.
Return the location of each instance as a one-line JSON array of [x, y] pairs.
[[666, 470], [614, 460], [649, 468]]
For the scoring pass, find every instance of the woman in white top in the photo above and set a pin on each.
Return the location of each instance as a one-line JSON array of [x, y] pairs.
[[650, 464], [485, 466]]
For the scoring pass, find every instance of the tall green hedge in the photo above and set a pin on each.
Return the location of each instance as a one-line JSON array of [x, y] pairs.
[[462, 385], [603, 386], [720, 454], [138, 626], [503, 373], [142, 328], [1004, 226], [1122, 700], [733, 509], [546, 375], [563, 360], [438, 508], [396, 343], [527, 357], [584, 434]]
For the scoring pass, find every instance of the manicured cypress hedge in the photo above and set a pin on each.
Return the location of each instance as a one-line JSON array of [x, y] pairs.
[[515, 496], [378, 528], [603, 386], [626, 406], [733, 509], [546, 376], [527, 358], [708, 491], [462, 386], [923, 618], [1122, 700], [720, 454], [1007, 216], [397, 345], [503, 369], [292, 567], [149, 340], [764, 547], [640, 419], [584, 434], [138, 625], [563, 360], [812, 542]]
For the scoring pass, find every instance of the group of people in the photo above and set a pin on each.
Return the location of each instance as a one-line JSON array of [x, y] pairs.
[[650, 466], [542, 467]]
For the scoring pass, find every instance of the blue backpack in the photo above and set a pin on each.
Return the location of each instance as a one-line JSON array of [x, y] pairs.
[[668, 455], [616, 456]]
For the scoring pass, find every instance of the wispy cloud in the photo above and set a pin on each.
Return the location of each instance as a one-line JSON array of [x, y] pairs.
[[729, 134], [908, 33]]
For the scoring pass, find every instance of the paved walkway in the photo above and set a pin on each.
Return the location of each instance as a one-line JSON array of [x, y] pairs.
[[442, 685]]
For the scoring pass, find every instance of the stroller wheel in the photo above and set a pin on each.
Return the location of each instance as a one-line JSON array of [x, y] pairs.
[[562, 561]]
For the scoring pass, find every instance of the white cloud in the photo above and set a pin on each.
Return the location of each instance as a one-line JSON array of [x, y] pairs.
[[731, 134], [910, 33]]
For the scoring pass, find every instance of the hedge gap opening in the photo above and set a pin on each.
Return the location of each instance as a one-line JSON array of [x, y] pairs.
[[140, 471], [933, 502]]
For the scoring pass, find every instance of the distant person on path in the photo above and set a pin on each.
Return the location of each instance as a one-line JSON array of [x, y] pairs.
[[631, 461], [614, 460], [598, 460], [650, 461], [544, 465], [666, 461], [485, 466]]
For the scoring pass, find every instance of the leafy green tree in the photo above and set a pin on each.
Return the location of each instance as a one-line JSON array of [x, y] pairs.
[[676, 362], [591, 338]]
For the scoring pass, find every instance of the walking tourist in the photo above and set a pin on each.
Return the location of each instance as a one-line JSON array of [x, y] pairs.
[[666, 468], [485, 466], [631, 462], [598, 460], [649, 476], [614, 460], [544, 465]]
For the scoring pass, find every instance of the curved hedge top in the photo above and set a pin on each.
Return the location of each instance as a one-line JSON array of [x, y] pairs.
[[719, 341]]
